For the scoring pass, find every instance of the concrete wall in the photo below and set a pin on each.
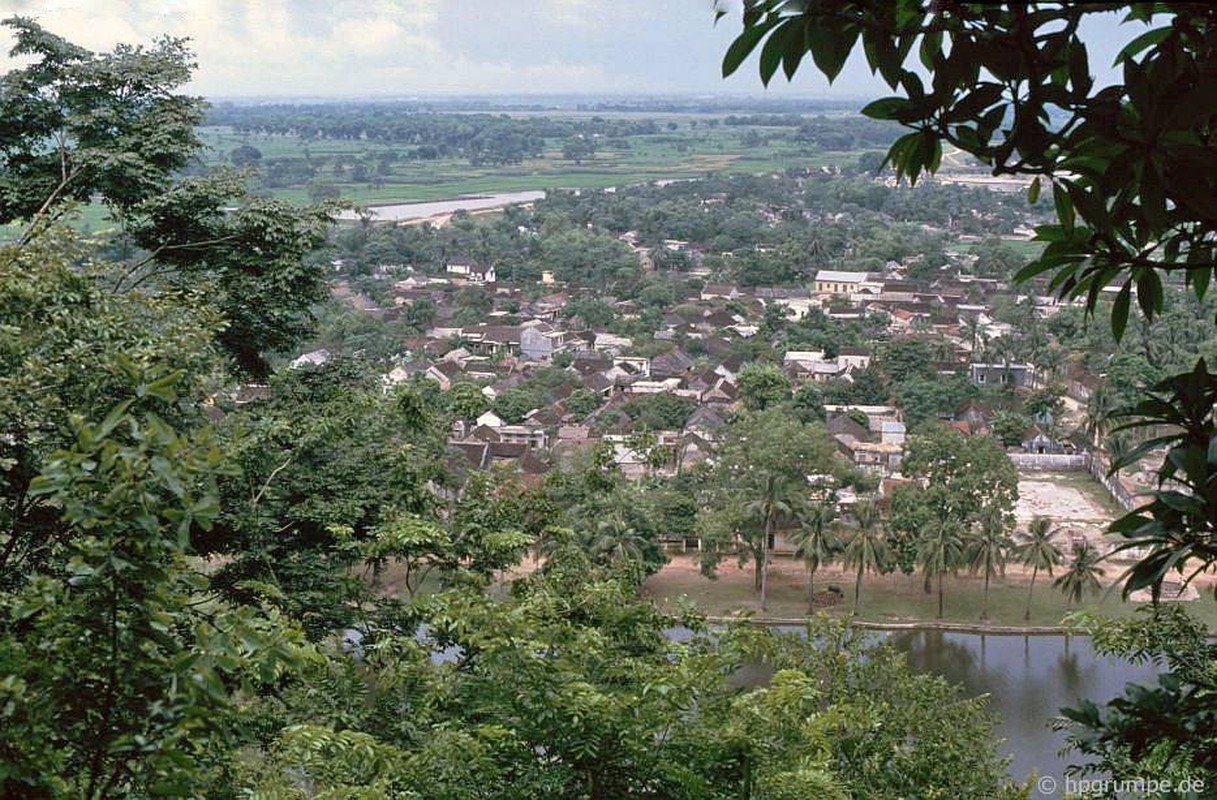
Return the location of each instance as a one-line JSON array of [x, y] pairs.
[[1122, 493], [1096, 466], [1049, 462]]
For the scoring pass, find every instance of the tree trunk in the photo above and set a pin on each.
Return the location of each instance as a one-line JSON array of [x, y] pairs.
[[940, 595], [765, 566], [811, 590], [757, 561], [929, 585], [1031, 588], [857, 589], [984, 611]]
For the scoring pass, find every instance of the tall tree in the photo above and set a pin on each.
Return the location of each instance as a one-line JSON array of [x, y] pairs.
[[974, 328], [816, 542], [940, 548], [252, 253], [775, 505], [966, 479], [1038, 551], [79, 125], [756, 448], [866, 549], [328, 464], [763, 386], [76, 123], [988, 548], [1082, 575]]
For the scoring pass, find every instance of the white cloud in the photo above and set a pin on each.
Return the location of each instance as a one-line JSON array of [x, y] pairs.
[[334, 47], [259, 46], [578, 13]]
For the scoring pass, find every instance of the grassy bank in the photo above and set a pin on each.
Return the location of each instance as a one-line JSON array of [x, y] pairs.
[[885, 598]]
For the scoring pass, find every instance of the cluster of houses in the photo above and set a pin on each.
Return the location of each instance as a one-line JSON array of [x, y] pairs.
[[526, 330]]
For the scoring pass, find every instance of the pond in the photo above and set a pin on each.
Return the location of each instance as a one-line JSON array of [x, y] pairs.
[[1028, 680]]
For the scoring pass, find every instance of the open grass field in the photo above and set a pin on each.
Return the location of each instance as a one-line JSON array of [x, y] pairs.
[[1076, 504], [89, 219], [687, 152], [1025, 248], [885, 598], [694, 149]]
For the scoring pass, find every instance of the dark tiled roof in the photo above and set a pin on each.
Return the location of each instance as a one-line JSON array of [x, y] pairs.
[[506, 450], [841, 424], [474, 452]]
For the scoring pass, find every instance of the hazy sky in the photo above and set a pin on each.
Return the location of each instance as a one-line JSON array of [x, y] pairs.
[[407, 47]]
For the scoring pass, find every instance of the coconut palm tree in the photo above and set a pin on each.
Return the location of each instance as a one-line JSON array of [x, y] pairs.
[[988, 549], [867, 549], [817, 249], [1099, 409], [613, 539], [1048, 361], [817, 543], [940, 550], [981, 353], [1003, 349], [776, 503], [943, 349], [974, 329], [1117, 446], [1083, 574], [1038, 551]]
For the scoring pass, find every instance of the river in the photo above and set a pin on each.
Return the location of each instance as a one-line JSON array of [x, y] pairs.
[[406, 212]]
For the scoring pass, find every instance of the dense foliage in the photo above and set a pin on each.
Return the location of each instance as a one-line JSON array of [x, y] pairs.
[[1131, 167], [484, 138], [216, 589]]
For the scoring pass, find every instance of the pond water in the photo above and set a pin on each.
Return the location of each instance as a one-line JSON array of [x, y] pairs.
[[403, 212], [1028, 680]]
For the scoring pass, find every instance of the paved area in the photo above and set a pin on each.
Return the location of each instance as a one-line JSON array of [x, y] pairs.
[[1077, 511]]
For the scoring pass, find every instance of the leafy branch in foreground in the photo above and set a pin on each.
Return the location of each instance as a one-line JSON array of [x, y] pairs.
[[121, 674], [1179, 525], [1131, 166], [1170, 727]]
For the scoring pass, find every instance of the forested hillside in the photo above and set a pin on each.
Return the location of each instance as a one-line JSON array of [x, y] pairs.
[[299, 501]]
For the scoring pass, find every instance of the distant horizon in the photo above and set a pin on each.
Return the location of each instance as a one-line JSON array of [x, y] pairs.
[[405, 48], [640, 97]]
